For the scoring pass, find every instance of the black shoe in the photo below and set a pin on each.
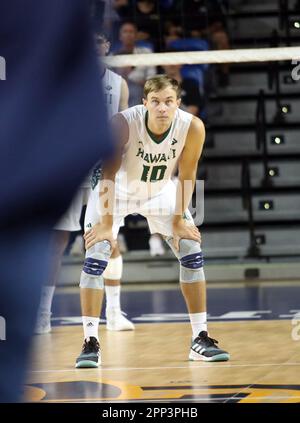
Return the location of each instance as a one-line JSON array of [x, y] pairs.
[[205, 349], [90, 355]]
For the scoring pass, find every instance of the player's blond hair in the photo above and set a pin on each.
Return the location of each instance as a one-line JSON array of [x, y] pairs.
[[160, 82]]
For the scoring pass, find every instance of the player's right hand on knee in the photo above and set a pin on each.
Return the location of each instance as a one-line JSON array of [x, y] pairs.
[[182, 230], [99, 232]]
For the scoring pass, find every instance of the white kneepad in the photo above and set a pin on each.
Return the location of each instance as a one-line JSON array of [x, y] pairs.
[[114, 268]]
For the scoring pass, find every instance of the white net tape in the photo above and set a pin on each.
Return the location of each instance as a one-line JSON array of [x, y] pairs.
[[201, 57]]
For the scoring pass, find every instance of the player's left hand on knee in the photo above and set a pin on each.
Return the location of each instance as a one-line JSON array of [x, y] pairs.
[[182, 230], [99, 233]]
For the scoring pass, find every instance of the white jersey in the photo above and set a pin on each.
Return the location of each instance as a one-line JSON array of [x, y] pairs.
[[111, 83], [148, 164]]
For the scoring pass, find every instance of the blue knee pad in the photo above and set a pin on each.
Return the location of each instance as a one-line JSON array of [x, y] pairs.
[[94, 265], [191, 260]]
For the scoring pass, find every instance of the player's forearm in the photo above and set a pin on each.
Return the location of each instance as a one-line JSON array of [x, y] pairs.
[[185, 188]]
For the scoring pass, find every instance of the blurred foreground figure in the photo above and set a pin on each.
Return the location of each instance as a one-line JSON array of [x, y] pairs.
[[52, 131]]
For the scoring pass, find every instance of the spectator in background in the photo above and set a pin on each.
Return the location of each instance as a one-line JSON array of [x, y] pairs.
[[135, 76], [207, 19], [122, 7], [172, 31], [115, 11], [144, 13], [147, 18], [111, 19]]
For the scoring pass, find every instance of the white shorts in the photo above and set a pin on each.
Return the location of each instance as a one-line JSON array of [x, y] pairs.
[[70, 221], [158, 211]]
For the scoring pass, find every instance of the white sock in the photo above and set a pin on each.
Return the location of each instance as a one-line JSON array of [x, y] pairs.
[[198, 322], [113, 294], [46, 299], [90, 326]]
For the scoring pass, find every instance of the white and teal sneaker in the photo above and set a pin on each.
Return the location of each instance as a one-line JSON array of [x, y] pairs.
[[204, 348], [90, 356]]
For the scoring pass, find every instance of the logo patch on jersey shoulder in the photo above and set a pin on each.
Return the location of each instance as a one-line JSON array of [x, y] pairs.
[[174, 141], [108, 87]]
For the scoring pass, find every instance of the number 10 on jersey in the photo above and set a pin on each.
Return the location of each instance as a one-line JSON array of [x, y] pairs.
[[153, 174]]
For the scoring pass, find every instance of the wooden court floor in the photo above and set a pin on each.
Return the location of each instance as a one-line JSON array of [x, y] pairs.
[[151, 364]]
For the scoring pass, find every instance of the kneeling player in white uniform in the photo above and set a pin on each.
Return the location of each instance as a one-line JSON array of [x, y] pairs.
[[155, 138], [116, 98]]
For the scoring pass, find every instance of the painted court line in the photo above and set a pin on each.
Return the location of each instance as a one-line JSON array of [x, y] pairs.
[[170, 400], [205, 366]]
